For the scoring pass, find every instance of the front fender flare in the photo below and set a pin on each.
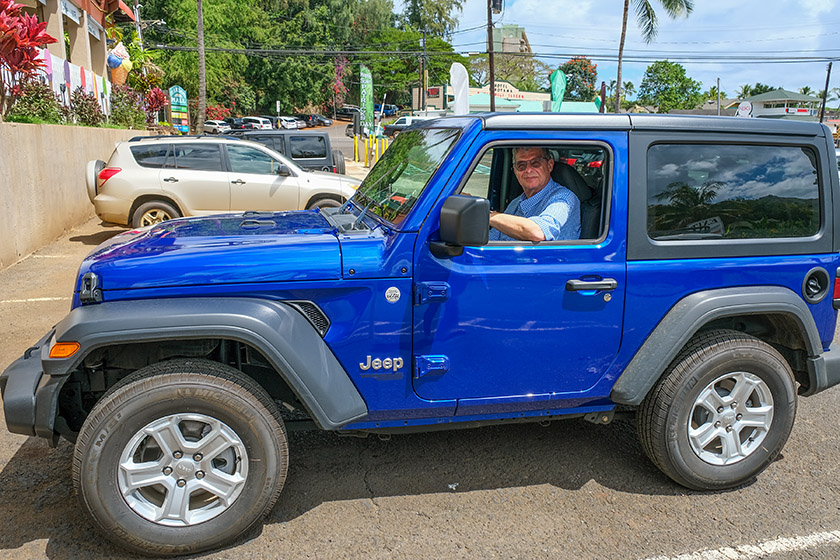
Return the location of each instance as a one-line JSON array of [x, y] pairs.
[[286, 339], [690, 314]]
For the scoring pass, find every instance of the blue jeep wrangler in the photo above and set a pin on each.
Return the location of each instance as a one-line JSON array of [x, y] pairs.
[[700, 298]]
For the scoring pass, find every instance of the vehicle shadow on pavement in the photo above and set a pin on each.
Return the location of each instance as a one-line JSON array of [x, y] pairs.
[[98, 237], [36, 490], [567, 454]]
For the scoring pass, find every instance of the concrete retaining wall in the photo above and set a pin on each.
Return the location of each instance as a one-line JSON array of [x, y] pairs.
[[42, 182]]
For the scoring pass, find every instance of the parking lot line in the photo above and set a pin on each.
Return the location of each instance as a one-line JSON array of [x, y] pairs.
[[760, 550], [30, 300]]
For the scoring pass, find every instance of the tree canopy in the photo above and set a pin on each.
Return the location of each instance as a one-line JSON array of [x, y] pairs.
[[666, 86]]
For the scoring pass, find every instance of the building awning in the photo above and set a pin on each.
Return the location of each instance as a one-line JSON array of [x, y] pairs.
[[122, 12]]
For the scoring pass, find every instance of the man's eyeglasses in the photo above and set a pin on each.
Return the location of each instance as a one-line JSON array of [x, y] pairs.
[[523, 165]]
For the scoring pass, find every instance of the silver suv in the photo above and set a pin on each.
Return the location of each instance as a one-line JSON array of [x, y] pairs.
[[151, 179]]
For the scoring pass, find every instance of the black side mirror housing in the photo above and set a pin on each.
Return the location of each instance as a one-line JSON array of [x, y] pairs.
[[464, 221], [283, 170]]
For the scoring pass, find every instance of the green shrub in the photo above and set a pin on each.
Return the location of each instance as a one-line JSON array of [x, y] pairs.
[[37, 104], [84, 109], [127, 109]]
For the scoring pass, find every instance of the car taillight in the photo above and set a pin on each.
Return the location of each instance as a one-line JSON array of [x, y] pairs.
[[595, 164], [107, 173], [569, 160], [836, 295]]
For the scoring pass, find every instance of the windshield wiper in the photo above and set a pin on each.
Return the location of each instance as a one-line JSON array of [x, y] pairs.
[[361, 217]]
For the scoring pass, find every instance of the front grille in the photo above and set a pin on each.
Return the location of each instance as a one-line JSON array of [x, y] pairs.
[[313, 314]]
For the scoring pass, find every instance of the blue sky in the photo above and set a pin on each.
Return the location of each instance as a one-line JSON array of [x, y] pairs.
[[755, 28]]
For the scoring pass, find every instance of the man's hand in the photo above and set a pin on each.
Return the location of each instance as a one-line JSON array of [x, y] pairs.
[[516, 227]]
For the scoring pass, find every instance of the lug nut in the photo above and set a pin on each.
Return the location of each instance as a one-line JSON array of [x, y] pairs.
[[199, 474], [197, 457], [739, 416], [167, 470], [720, 409], [717, 424], [182, 482], [734, 405], [177, 454], [729, 428]]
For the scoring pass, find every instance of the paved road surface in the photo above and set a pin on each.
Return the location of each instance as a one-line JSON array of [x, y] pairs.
[[570, 490]]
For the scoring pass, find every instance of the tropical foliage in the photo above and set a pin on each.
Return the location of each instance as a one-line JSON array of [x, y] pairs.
[[21, 38], [666, 86], [581, 76]]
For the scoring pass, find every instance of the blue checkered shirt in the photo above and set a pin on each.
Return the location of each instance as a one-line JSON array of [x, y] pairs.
[[555, 209]]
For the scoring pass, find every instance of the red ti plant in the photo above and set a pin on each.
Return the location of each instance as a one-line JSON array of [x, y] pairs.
[[155, 101], [21, 38]]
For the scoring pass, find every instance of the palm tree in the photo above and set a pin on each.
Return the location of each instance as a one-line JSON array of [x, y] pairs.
[[646, 18], [202, 77], [744, 91], [806, 90], [834, 95]]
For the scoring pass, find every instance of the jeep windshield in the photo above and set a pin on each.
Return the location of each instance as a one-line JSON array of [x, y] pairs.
[[397, 180]]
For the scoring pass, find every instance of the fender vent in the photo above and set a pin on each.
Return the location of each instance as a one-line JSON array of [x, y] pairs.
[[313, 314]]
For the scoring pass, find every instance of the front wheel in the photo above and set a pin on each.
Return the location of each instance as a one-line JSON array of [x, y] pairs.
[[722, 412], [179, 457]]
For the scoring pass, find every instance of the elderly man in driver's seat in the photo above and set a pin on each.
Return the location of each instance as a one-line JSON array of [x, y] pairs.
[[545, 211]]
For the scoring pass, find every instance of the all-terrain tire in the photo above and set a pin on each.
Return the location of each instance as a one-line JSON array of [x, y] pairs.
[[721, 413], [179, 457], [338, 161]]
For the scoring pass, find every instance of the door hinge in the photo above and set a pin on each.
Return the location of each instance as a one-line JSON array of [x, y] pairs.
[[89, 290], [430, 291], [430, 365]]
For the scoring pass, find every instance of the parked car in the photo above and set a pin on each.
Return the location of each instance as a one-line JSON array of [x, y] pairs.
[[216, 127], [385, 110], [257, 123], [699, 301], [308, 149], [288, 123], [271, 119], [322, 120], [346, 113], [152, 179], [394, 128], [301, 123], [235, 123]]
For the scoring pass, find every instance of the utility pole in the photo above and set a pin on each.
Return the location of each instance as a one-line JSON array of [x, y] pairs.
[[202, 73], [825, 92], [490, 56], [423, 75]]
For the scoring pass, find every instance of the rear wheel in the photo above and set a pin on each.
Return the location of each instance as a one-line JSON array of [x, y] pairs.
[[338, 161], [325, 203], [181, 456], [155, 212], [721, 414]]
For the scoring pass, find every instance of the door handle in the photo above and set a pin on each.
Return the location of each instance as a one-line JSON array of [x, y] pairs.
[[171, 180], [238, 182], [605, 285]]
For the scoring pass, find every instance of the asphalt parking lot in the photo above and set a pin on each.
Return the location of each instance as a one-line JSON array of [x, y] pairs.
[[569, 490]]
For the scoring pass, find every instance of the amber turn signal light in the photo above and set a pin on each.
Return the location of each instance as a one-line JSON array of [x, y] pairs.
[[64, 349]]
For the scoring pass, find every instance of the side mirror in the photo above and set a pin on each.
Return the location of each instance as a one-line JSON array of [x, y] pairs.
[[464, 220], [283, 170]]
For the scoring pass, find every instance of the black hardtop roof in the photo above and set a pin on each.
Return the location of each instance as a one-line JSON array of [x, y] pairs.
[[629, 121], [277, 132]]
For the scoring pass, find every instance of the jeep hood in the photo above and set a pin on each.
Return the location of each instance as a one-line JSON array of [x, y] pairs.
[[214, 250]]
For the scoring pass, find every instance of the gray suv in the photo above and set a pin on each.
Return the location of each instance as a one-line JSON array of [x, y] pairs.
[[310, 150]]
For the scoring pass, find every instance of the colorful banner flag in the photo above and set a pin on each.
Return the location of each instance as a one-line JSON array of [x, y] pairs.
[[558, 89], [366, 98]]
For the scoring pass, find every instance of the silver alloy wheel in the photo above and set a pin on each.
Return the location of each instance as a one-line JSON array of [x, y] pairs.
[[730, 418], [183, 469], [154, 216]]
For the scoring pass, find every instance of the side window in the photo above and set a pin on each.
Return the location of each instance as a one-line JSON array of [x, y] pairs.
[[581, 169], [265, 140], [200, 157], [697, 191], [307, 146], [400, 120], [244, 159], [153, 156]]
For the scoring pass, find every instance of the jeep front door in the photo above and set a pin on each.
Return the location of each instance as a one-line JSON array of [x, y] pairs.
[[517, 325]]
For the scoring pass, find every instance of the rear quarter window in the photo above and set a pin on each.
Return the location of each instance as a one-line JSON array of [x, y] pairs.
[[705, 191], [150, 156], [307, 147]]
